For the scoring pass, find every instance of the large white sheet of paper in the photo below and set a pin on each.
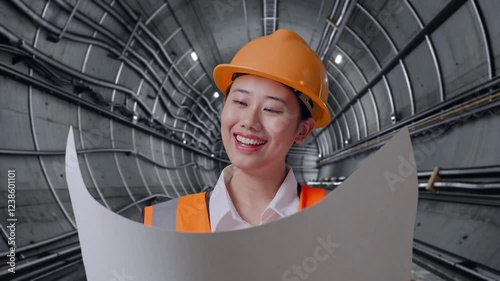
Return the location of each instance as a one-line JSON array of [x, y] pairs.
[[362, 230]]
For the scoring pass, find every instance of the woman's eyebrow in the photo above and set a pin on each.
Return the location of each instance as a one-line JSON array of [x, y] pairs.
[[243, 91]]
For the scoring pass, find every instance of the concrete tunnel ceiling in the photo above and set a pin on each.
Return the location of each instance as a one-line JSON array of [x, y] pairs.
[[145, 110]]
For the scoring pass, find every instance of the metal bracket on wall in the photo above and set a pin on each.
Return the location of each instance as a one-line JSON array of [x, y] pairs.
[[434, 178], [130, 39], [66, 24]]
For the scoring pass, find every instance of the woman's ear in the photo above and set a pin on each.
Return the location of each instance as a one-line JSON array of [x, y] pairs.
[[305, 128]]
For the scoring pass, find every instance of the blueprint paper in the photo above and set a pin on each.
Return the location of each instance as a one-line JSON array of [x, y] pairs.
[[362, 230]]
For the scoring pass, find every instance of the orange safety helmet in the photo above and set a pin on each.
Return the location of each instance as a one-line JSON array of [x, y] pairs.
[[286, 58]]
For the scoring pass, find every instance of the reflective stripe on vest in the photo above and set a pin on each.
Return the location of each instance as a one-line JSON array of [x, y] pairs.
[[192, 212]]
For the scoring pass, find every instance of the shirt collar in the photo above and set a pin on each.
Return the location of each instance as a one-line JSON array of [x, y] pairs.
[[284, 203], [286, 196]]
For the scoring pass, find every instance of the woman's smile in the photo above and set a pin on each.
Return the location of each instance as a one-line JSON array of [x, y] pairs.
[[248, 143]]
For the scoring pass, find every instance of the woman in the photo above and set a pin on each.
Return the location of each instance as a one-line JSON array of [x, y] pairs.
[[276, 88]]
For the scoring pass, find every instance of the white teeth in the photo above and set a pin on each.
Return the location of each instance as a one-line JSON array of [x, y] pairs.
[[248, 141]]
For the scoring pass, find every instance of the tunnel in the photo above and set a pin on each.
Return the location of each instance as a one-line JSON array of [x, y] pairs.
[[133, 78]]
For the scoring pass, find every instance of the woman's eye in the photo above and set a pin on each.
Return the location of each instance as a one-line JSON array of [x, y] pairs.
[[239, 102], [272, 110]]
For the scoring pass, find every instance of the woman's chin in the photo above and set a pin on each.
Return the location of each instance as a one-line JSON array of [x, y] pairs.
[[245, 164]]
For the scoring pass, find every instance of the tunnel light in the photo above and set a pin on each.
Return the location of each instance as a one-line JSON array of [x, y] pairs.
[[319, 155], [347, 141], [216, 94], [135, 118], [338, 59], [194, 56], [393, 118], [212, 155], [184, 141]]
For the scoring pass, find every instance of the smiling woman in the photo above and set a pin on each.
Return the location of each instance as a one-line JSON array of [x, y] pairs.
[[276, 89]]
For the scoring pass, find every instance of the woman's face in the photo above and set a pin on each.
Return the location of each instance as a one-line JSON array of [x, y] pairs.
[[260, 122]]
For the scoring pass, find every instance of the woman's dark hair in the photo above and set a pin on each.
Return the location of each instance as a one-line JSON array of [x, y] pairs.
[[304, 112]]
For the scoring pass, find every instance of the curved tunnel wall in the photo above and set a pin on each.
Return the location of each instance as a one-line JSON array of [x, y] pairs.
[[457, 54], [145, 119], [443, 86]]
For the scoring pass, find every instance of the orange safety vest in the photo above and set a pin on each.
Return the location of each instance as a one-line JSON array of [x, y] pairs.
[[192, 212]]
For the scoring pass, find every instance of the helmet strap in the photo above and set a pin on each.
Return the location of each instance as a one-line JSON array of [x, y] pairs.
[[306, 100]]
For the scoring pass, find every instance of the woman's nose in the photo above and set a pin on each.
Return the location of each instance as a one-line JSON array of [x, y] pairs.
[[252, 119]]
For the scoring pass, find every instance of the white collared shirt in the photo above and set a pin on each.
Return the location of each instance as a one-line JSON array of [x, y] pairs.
[[225, 217]]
